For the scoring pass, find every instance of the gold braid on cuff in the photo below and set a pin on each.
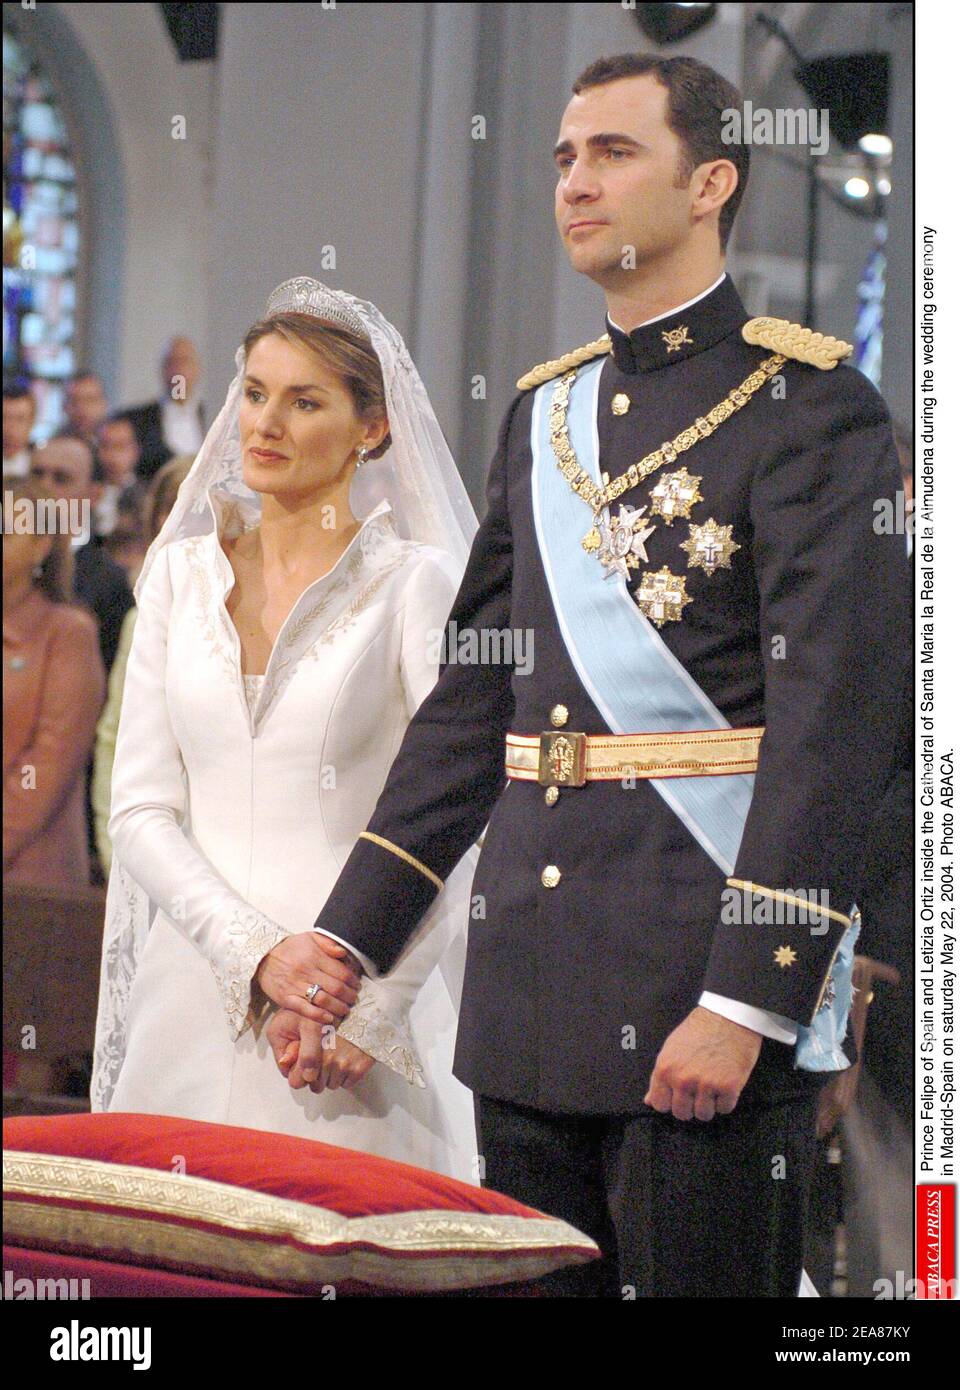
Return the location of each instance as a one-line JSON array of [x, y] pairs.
[[402, 854], [812, 907]]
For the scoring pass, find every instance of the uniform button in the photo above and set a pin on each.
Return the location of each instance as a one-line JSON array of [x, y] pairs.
[[551, 795], [550, 876], [559, 716]]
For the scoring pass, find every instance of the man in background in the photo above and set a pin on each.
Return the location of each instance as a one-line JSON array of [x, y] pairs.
[[66, 466], [19, 417], [175, 422], [85, 406]]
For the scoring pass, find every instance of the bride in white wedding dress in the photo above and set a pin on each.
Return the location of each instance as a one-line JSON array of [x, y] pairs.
[[287, 631]]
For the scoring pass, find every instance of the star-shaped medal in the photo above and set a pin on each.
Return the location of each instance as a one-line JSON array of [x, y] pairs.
[[710, 547], [675, 494], [622, 542], [662, 596], [784, 956]]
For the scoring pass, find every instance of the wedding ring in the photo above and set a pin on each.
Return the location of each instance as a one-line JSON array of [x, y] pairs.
[[312, 992]]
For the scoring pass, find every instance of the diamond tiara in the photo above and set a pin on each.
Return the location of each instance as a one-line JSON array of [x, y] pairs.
[[303, 295]]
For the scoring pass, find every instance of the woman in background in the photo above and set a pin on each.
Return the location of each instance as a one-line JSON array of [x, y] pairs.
[[53, 689]]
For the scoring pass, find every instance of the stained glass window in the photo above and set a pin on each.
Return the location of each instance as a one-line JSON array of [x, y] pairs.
[[40, 236], [868, 336]]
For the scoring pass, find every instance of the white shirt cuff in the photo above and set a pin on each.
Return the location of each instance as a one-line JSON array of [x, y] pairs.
[[771, 1025], [368, 965]]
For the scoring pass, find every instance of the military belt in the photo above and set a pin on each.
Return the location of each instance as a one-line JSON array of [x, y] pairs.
[[561, 758]]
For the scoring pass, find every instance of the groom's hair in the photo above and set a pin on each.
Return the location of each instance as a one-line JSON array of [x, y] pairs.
[[698, 98]]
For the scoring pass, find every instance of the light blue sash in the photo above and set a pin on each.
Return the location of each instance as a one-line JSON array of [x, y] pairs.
[[636, 682]]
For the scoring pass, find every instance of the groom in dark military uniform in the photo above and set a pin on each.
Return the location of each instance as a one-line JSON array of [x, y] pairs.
[[682, 515]]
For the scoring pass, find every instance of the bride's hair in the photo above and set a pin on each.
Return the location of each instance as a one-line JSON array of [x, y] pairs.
[[344, 352]]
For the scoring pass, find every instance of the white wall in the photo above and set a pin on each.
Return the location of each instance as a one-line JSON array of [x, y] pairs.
[[164, 267], [318, 144]]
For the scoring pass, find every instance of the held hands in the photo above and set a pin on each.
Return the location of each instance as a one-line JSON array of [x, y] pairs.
[[703, 1066], [311, 1054], [304, 959]]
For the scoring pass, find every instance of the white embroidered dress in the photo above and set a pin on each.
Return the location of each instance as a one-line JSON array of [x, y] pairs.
[[235, 803]]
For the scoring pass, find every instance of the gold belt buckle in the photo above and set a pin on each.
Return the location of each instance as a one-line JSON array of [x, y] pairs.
[[563, 759]]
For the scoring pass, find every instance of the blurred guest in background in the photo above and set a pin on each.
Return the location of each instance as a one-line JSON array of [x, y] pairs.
[[175, 422], [85, 406], [65, 466], [19, 415], [117, 454], [53, 690], [157, 506], [127, 541]]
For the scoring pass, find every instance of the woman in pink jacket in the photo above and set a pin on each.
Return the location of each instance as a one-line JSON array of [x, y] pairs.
[[53, 689]]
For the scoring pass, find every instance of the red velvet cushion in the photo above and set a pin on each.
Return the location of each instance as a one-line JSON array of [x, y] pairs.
[[271, 1209]]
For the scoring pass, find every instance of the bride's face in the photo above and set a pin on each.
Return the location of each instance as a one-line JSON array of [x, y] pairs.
[[299, 430]]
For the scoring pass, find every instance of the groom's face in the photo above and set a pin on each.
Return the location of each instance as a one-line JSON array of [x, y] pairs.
[[298, 409], [618, 166]]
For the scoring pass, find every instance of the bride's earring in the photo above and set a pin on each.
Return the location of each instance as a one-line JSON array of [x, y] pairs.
[[362, 454]]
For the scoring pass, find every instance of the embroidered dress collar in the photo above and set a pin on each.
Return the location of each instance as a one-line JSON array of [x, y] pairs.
[[369, 556]]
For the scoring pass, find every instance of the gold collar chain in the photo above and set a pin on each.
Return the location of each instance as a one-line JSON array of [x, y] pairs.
[[597, 497]]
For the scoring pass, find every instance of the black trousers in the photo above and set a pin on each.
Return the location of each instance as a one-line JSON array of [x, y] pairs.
[[679, 1208]]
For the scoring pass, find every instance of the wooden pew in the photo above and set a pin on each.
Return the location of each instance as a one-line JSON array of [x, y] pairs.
[[51, 973]]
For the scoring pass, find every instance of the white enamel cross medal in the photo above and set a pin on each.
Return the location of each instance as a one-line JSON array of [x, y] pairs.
[[675, 494], [662, 596], [623, 541], [710, 546]]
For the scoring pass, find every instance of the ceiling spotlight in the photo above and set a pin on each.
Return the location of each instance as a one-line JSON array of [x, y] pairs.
[[883, 186], [856, 188], [876, 144], [667, 24]]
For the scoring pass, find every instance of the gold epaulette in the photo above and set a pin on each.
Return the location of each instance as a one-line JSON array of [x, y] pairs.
[[798, 342], [538, 375]]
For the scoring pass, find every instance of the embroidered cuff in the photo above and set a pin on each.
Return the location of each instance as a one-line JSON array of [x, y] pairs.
[[249, 936], [372, 1029]]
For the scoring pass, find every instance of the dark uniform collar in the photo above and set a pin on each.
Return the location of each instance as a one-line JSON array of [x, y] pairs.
[[681, 333]]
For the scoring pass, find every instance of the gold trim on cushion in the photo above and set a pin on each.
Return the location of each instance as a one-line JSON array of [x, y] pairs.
[[403, 854], [466, 1249]]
